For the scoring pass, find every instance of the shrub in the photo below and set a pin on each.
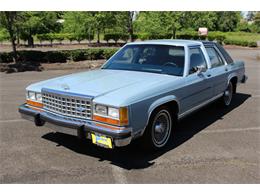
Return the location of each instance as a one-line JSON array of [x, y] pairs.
[[92, 54], [149, 36], [6, 57], [35, 56], [42, 37], [241, 42], [78, 55], [135, 36], [108, 52], [124, 37], [59, 56], [252, 44], [55, 56], [49, 37], [95, 53], [143, 36], [160, 36], [59, 37], [114, 36], [70, 37], [89, 37]]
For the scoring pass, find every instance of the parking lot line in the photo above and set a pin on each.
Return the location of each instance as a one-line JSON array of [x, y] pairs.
[[231, 130], [12, 120]]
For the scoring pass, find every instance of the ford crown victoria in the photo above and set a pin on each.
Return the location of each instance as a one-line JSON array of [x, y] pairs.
[[140, 92]]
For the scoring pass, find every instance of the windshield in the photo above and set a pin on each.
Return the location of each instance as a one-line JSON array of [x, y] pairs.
[[161, 59]]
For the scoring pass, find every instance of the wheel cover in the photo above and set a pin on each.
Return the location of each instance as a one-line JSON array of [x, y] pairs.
[[228, 94], [161, 128]]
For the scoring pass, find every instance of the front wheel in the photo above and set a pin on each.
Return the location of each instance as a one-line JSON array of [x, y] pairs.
[[159, 129], [228, 95]]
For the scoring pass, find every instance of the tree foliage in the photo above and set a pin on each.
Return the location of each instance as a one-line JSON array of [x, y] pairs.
[[32, 23], [165, 22], [80, 24], [9, 21], [87, 25]]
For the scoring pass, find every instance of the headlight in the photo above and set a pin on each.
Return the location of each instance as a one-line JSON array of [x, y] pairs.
[[111, 115], [34, 99], [34, 96], [113, 112], [100, 109], [31, 95], [39, 97]]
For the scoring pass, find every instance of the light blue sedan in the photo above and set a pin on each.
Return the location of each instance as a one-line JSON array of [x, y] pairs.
[[141, 91]]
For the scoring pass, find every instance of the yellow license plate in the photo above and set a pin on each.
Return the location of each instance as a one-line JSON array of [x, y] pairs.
[[101, 140]]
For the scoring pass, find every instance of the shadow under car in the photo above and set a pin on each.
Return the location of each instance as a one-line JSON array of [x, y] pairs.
[[131, 157]]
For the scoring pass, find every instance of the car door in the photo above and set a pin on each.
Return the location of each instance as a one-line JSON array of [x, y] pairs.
[[198, 87], [218, 70]]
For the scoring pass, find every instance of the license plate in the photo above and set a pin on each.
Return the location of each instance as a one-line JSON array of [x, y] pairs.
[[101, 140]]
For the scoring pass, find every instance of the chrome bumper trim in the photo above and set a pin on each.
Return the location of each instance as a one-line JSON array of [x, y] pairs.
[[121, 137]]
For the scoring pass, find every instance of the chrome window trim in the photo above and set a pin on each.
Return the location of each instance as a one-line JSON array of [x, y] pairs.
[[205, 57], [219, 53]]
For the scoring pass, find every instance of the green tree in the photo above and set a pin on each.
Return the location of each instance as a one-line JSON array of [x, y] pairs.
[[257, 19], [250, 15], [124, 22], [9, 20], [32, 23], [149, 22], [103, 20], [79, 24], [158, 22], [202, 19], [227, 21], [3, 35]]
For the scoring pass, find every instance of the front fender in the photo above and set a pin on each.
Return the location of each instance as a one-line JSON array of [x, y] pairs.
[[160, 102]]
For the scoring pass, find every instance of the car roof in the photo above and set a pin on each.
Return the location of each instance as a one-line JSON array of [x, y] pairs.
[[175, 42]]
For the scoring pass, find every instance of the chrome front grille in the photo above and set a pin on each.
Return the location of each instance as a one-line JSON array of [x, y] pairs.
[[67, 104]]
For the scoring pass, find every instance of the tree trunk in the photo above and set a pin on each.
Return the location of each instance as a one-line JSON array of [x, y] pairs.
[[10, 21], [30, 41], [18, 40], [98, 35], [14, 50], [174, 32], [130, 26]]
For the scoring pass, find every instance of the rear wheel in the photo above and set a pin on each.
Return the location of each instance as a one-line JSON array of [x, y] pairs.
[[159, 129], [228, 95]]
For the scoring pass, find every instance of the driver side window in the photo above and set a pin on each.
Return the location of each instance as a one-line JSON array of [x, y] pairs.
[[196, 59]]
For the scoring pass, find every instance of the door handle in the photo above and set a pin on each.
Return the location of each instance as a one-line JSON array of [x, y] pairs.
[[226, 69], [208, 75]]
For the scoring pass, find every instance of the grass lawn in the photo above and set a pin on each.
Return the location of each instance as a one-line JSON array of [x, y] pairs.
[[242, 36]]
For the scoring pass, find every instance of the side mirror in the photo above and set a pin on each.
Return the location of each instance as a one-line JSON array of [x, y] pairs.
[[201, 69]]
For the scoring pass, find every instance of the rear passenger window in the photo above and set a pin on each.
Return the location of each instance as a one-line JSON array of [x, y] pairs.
[[196, 59], [214, 57]]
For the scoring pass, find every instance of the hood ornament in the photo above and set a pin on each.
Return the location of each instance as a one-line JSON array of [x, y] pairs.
[[65, 87]]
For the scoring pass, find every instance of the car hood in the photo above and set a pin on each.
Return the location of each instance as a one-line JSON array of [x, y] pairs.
[[100, 82]]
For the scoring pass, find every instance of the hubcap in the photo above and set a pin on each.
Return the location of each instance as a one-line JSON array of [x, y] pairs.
[[228, 94], [161, 128]]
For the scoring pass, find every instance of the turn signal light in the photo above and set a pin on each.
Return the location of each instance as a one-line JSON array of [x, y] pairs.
[[122, 121], [33, 103]]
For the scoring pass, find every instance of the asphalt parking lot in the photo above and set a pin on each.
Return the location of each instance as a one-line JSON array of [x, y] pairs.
[[214, 145]]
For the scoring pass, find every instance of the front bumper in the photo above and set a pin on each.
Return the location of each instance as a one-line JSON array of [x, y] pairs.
[[80, 128]]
